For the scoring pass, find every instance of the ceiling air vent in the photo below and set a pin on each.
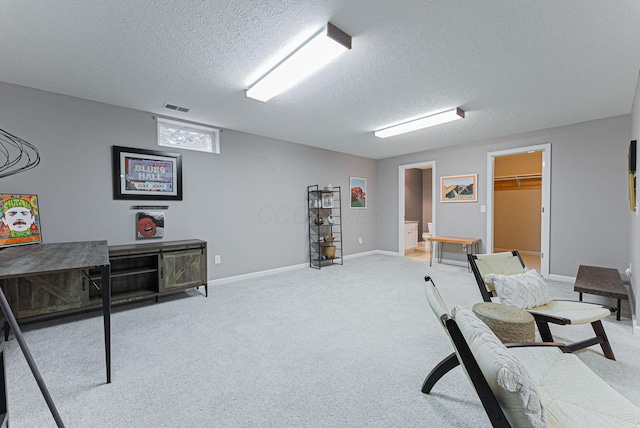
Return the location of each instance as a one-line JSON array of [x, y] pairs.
[[177, 108]]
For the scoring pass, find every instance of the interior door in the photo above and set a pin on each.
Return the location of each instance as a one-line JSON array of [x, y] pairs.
[[518, 203]]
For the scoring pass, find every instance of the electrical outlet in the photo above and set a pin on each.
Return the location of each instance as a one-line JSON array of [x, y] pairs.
[[360, 240], [217, 259]]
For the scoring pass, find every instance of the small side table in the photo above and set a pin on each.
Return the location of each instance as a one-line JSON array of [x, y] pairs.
[[601, 282], [510, 324]]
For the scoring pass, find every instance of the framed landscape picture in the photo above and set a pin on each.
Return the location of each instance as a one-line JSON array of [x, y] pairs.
[[146, 174], [459, 188], [20, 221], [358, 190]]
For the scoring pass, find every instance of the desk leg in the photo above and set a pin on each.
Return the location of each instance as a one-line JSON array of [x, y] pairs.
[[468, 265], [8, 316], [105, 271], [619, 309]]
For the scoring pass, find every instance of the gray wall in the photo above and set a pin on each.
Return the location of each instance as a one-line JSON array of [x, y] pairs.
[[248, 203], [413, 197], [589, 207]]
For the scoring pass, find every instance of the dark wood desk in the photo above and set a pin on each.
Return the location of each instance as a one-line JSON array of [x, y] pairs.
[[473, 244], [39, 259], [601, 282]]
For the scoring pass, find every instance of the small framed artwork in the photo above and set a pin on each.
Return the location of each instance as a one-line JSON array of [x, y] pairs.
[[149, 225], [358, 188], [146, 174], [327, 200], [20, 223], [459, 188]]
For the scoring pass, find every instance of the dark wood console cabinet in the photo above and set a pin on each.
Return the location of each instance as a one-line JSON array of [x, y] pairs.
[[138, 271]]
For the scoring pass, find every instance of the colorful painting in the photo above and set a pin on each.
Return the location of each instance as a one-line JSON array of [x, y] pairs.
[[358, 188], [146, 174], [459, 188], [149, 225], [20, 220]]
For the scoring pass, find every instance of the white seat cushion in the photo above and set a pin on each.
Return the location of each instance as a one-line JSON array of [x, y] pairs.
[[577, 312], [509, 380], [573, 395]]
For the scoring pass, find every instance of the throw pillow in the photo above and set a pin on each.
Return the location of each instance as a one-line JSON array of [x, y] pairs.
[[509, 380], [524, 291]]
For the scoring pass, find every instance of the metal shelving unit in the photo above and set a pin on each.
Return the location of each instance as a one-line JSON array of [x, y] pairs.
[[325, 221]]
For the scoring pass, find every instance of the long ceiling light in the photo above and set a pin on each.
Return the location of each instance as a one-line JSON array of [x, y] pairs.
[[424, 122], [319, 50]]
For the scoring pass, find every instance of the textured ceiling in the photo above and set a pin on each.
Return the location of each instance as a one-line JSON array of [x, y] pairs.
[[513, 66]]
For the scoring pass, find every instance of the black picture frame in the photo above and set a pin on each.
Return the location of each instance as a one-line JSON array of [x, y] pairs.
[[140, 174]]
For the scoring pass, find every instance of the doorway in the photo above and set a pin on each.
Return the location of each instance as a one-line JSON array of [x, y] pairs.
[[416, 207], [518, 203]]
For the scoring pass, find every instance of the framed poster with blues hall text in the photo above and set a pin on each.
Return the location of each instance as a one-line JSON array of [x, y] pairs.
[[146, 174]]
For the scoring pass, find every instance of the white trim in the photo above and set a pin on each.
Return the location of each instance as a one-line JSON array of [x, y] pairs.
[[546, 199], [387, 253], [562, 278], [401, 171], [259, 274], [452, 262], [364, 253], [267, 272]]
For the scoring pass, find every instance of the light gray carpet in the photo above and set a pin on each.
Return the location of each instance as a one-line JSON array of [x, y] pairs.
[[347, 346]]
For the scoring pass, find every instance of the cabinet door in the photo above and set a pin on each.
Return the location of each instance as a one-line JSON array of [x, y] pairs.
[[183, 269], [43, 294], [407, 238]]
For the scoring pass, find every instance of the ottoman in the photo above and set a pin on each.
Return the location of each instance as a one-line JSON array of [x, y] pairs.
[[510, 324]]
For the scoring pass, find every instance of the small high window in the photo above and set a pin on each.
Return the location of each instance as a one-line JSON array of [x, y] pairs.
[[183, 135]]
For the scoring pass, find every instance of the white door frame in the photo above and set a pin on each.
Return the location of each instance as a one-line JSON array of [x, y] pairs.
[[546, 199], [401, 171]]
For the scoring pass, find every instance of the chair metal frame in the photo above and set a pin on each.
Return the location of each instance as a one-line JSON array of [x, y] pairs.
[[543, 320], [463, 356]]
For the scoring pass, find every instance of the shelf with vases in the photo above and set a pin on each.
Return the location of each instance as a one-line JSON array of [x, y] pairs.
[[324, 220]]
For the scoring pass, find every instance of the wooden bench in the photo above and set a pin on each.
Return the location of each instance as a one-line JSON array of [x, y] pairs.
[[601, 281], [472, 244]]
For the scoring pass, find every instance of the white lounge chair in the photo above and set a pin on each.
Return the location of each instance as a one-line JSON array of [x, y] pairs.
[[562, 312], [528, 385]]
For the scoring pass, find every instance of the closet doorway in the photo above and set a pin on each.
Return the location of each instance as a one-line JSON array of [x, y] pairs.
[[416, 208], [518, 204]]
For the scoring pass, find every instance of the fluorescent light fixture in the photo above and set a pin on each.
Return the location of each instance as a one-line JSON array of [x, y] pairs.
[[319, 50], [424, 122]]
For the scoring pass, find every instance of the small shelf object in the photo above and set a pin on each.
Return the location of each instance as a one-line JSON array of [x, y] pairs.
[[325, 225]]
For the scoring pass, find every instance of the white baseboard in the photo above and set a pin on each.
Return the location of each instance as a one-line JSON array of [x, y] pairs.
[[452, 262], [369, 253], [562, 278], [261, 273]]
